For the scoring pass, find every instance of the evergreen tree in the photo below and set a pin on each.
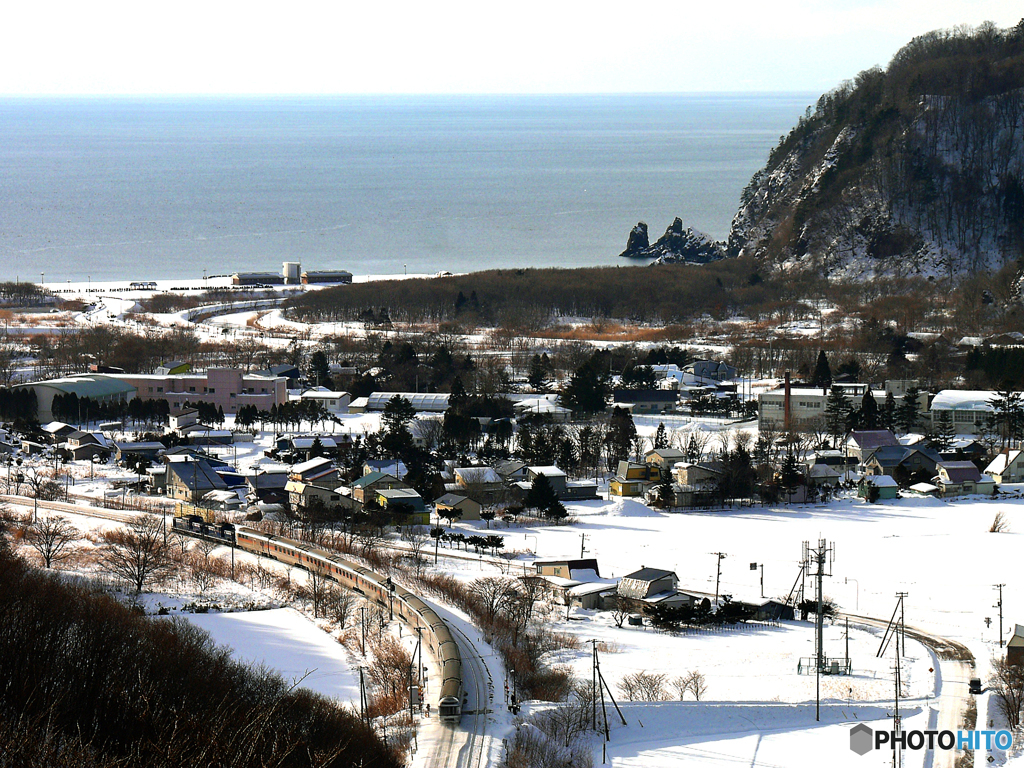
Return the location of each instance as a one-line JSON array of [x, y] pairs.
[[458, 398], [539, 375], [822, 372], [1009, 415], [587, 391], [661, 436], [868, 410], [790, 476], [637, 377], [945, 430], [541, 495], [620, 435], [666, 493], [888, 414], [837, 410], [319, 369], [907, 415]]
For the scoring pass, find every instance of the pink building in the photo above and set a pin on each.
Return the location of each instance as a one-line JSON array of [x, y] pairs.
[[228, 388]]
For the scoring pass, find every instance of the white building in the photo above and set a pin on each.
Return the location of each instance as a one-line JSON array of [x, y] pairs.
[[334, 402]]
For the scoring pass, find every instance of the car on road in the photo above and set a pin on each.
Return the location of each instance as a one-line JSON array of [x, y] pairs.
[[974, 686]]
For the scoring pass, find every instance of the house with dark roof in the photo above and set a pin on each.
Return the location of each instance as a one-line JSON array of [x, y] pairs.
[[957, 478], [860, 443], [704, 370], [512, 471], [645, 400], [268, 487], [150, 450], [319, 470], [191, 480], [647, 582], [893, 460], [84, 445]]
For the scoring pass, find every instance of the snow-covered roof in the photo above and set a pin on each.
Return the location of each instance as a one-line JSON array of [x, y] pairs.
[[963, 400], [550, 471], [925, 488], [880, 481], [318, 462], [471, 475], [1002, 461]]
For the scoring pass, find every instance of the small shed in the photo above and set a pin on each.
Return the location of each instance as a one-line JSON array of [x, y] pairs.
[[887, 487]]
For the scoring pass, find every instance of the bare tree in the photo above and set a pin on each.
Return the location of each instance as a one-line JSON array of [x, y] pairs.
[[136, 553], [694, 682], [643, 686], [199, 572], [317, 588], [999, 524], [339, 605], [624, 606], [1007, 682], [52, 538], [493, 593]]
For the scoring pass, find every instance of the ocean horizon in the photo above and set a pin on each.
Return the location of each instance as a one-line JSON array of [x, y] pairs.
[[134, 188]]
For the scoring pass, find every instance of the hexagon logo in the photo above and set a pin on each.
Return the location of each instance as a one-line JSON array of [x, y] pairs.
[[861, 739]]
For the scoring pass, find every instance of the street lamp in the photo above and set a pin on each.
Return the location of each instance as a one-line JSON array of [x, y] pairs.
[[857, 596]]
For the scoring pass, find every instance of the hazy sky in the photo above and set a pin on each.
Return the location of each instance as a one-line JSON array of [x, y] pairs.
[[224, 46]]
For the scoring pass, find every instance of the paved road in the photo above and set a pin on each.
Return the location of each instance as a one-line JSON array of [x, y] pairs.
[[956, 668]]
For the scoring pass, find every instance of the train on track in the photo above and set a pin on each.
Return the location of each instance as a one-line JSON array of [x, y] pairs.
[[358, 578]]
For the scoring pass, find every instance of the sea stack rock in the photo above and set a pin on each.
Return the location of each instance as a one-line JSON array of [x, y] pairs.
[[678, 245], [638, 241]]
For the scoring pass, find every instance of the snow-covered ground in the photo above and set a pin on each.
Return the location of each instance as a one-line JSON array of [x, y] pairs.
[[284, 640]]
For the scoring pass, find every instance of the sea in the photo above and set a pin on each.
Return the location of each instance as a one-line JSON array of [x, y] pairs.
[[158, 188]]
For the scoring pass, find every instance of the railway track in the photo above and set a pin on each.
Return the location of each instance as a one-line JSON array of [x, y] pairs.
[[71, 509]]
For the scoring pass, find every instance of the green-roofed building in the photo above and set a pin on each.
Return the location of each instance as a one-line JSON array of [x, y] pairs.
[[96, 386]]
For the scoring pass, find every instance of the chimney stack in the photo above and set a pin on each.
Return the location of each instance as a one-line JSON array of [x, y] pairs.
[[786, 404]]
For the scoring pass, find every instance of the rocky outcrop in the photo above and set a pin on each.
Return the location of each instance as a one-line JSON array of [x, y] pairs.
[[678, 245], [915, 170], [638, 241]]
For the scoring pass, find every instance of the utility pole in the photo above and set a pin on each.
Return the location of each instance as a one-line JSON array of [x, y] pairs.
[[821, 558], [583, 540], [999, 605], [363, 714], [362, 614], [718, 573], [903, 621]]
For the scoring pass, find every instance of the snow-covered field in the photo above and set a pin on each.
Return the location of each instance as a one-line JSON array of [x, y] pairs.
[[286, 641]]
